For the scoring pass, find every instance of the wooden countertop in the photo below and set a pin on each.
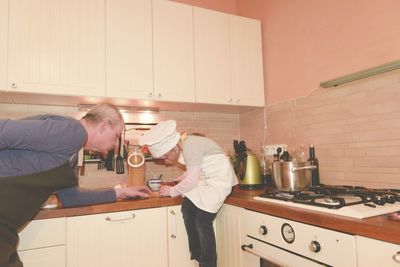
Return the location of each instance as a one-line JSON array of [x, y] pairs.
[[378, 227], [133, 204]]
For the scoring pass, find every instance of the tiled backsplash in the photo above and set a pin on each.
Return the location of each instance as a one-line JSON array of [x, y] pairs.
[[222, 128], [355, 129]]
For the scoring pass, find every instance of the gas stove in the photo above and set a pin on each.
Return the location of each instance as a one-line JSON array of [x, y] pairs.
[[351, 201]]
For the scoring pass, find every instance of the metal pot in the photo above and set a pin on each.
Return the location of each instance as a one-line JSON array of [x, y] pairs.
[[292, 176]]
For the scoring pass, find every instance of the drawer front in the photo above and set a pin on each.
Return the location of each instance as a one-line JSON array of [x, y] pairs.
[[43, 233], [43, 257]]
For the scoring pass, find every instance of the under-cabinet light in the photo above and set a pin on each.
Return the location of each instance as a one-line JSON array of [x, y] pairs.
[[125, 109], [362, 74]]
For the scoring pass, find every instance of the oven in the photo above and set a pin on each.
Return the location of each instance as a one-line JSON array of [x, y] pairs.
[[272, 241], [275, 241]]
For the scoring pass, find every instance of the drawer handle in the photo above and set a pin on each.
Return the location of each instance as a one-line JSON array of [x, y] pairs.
[[122, 218], [396, 257]]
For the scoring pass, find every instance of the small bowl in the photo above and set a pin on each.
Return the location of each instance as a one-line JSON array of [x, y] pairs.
[[154, 184]]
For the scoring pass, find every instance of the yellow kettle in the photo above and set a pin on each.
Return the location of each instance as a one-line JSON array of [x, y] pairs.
[[247, 168]]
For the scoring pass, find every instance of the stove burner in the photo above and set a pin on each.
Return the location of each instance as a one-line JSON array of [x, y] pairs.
[[285, 195], [331, 200], [336, 197]]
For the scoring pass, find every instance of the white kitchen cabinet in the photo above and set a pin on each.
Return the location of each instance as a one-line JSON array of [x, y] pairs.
[[129, 238], [246, 61], [372, 252], [42, 243], [3, 44], [229, 236], [212, 56], [57, 47], [129, 49], [178, 246], [228, 59], [173, 51]]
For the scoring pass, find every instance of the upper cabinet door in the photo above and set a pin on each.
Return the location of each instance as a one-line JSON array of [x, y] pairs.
[[57, 47], [212, 58], [3, 44], [173, 51], [247, 61], [129, 49]]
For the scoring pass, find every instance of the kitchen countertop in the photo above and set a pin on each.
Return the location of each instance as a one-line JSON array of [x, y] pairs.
[[133, 204], [378, 227]]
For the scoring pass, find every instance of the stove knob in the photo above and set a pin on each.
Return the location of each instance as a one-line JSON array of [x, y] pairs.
[[389, 199], [263, 230], [396, 257], [315, 246], [378, 200]]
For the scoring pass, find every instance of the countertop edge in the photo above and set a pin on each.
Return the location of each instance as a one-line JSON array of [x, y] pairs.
[[134, 204], [378, 227]]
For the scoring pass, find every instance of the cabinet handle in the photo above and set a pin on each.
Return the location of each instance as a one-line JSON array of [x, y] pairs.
[[159, 95], [396, 257], [230, 100], [173, 235], [122, 218], [237, 101], [14, 85], [150, 94]]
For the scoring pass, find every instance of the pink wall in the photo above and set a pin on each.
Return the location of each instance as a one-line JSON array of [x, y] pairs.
[[227, 6], [309, 41]]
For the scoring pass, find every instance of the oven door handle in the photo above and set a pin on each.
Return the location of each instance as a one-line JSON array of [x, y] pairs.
[[249, 248]]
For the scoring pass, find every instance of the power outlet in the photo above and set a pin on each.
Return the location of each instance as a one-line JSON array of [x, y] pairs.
[[270, 150]]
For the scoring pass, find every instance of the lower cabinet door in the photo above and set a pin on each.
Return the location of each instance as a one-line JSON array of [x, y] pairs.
[[229, 237], [43, 257], [372, 252], [125, 239], [178, 246]]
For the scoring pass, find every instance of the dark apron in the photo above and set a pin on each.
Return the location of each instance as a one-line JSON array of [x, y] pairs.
[[21, 197]]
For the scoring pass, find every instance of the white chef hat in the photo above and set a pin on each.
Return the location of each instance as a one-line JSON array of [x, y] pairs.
[[161, 138]]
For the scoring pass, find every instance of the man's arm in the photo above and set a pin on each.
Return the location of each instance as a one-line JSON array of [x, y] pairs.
[[76, 196]]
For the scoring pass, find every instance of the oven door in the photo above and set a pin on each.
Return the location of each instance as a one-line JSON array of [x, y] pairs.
[[262, 254]]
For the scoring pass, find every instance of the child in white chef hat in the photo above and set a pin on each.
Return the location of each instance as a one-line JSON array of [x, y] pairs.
[[205, 184]]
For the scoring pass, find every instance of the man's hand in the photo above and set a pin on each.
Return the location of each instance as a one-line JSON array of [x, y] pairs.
[[133, 191]]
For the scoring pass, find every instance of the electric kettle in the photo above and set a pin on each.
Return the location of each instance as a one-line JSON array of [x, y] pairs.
[[247, 167]]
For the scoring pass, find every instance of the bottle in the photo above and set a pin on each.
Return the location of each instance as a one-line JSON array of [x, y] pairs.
[[302, 153], [265, 168], [314, 172], [285, 155]]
